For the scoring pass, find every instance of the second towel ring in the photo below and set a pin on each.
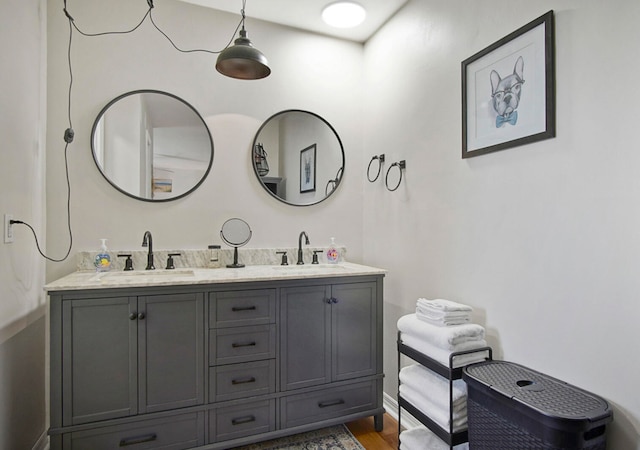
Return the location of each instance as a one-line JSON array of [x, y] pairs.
[[401, 166], [380, 159]]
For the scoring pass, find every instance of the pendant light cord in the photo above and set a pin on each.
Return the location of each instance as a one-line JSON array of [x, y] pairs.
[[69, 133], [149, 14]]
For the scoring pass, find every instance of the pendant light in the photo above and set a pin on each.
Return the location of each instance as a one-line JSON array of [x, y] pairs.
[[242, 60]]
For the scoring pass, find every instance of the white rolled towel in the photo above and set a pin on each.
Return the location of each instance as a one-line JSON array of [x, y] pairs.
[[446, 338], [436, 387], [442, 356], [434, 412], [421, 438]]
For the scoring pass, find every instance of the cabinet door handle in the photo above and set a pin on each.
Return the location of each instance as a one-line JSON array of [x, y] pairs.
[[241, 420], [243, 380], [133, 316], [138, 440], [334, 300], [243, 308], [141, 316], [243, 344], [330, 403]]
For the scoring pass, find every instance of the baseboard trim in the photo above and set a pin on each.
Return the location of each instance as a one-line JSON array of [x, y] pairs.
[[42, 443], [391, 406]]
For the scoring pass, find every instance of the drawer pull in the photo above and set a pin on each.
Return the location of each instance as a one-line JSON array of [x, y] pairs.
[[241, 420], [243, 380], [138, 440], [330, 403], [243, 308], [243, 344]]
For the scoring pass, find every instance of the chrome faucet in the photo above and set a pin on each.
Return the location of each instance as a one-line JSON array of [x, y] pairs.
[[147, 241], [306, 241]]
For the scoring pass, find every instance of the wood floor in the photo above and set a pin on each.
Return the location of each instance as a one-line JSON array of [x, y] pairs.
[[366, 434]]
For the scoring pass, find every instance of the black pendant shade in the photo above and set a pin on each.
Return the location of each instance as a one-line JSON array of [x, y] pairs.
[[242, 60]]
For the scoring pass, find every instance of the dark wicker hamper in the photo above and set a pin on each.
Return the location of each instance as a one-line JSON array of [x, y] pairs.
[[511, 407]]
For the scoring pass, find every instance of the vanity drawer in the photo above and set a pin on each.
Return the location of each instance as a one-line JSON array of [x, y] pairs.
[[242, 420], [242, 380], [242, 344], [169, 433], [242, 308], [324, 404]]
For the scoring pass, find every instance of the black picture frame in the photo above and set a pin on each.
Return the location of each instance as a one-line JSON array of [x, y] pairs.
[[308, 169], [518, 70]]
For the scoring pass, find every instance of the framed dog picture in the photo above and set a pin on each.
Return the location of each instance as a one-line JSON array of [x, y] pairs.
[[308, 169], [508, 91]]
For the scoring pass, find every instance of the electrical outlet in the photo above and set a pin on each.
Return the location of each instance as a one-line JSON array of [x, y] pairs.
[[8, 229]]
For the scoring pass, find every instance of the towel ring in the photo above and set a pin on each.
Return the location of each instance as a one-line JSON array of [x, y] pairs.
[[401, 166], [333, 183], [380, 161]]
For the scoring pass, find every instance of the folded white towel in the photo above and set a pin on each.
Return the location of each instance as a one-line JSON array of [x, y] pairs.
[[436, 387], [444, 337], [421, 438], [434, 412], [444, 305], [443, 312], [442, 356], [443, 319]]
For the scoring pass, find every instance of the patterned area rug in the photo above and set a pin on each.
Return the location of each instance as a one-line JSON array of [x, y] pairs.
[[331, 438]]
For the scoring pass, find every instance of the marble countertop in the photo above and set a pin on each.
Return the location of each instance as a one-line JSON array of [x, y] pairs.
[[190, 276]]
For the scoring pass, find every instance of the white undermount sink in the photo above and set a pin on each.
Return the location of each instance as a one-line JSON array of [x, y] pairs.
[[149, 274], [293, 267]]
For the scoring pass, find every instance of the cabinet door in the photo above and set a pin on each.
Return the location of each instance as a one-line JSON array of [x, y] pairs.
[[99, 367], [354, 332], [305, 338], [171, 351]]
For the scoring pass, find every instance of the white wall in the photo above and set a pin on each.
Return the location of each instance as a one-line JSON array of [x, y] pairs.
[[22, 163], [542, 240], [308, 73]]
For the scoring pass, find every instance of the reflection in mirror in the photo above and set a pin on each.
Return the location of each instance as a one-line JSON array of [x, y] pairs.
[[152, 145], [298, 157]]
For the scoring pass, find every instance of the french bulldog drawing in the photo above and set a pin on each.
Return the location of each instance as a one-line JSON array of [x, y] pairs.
[[505, 93]]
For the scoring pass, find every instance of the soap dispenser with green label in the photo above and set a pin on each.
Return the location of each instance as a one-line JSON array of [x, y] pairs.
[[103, 258]]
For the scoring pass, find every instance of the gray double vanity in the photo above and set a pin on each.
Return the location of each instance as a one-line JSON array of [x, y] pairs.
[[212, 358]]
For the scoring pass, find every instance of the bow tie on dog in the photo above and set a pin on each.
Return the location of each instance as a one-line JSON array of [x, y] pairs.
[[511, 119], [505, 93]]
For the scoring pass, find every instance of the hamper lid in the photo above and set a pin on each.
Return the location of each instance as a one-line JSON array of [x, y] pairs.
[[543, 393]]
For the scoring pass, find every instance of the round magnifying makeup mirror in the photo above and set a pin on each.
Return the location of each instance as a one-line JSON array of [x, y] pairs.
[[236, 233]]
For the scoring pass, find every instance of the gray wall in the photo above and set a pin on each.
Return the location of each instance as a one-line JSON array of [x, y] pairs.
[[542, 240], [22, 310]]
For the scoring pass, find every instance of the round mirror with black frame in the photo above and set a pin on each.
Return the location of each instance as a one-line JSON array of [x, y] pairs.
[[152, 145], [298, 157]]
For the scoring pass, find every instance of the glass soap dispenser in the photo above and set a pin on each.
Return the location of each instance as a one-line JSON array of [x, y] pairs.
[[333, 254], [103, 258]]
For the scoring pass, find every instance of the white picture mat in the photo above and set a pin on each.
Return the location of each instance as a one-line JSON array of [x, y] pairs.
[[481, 116]]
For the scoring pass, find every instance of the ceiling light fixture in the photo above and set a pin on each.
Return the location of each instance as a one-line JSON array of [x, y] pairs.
[[344, 14], [242, 60]]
